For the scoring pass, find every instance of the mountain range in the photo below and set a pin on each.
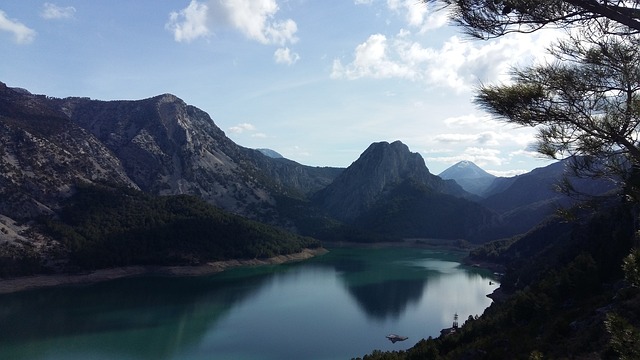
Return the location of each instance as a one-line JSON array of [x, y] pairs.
[[161, 146]]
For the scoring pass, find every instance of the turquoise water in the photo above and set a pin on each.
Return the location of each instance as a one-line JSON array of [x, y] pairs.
[[336, 306]]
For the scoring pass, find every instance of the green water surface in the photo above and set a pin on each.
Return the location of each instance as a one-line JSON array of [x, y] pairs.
[[336, 306]]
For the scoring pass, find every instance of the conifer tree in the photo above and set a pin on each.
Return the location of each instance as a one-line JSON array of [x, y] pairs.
[[492, 18], [586, 104]]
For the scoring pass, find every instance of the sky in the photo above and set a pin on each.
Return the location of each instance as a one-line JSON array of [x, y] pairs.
[[317, 81]]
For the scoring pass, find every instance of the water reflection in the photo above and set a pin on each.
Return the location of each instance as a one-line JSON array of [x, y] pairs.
[[388, 299], [162, 314], [268, 312], [389, 280]]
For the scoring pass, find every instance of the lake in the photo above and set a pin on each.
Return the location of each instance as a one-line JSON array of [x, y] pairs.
[[336, 306]]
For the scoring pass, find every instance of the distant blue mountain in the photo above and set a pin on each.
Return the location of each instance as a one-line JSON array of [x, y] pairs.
[[469, 176], [271, 153]]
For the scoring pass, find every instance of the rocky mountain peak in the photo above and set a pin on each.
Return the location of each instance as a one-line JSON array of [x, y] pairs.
[[167, 98], [380, 168], [470, 176], [390, 162], [465, 170]]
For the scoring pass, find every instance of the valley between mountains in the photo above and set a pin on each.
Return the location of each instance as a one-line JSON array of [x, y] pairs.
[[105, 187], [88, 184]]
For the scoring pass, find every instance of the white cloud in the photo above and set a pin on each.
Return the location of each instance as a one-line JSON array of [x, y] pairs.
[[189, 23], [488, 138], [454, 138], [480, 156], [53, 12], [482, 152], [361, 2], [418, 14], [458, 64], [415, 10], [285, 56], [22, 34], [240, 128], [280, 32], [525, 138], [255, 19], [528, 153], [506, 173], [471, 121], [372, 59]]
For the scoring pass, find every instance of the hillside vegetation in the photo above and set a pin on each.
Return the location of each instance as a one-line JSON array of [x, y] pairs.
[[101, 226], [564, 295]]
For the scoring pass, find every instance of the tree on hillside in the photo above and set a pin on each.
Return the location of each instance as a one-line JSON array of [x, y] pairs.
[[586, 104], [493, 18]]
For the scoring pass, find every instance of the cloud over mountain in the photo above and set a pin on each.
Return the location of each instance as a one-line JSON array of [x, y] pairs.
[[458, 64], [22, 34], [256, 20]]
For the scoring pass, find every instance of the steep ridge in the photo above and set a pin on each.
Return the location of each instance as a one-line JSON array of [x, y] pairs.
[[168, 147], [52, 147], [43, 155], [159, 145], [525, 200], [381, 167], [389, 190]]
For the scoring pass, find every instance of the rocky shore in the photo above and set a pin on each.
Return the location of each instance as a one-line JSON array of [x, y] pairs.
[[39, 281]]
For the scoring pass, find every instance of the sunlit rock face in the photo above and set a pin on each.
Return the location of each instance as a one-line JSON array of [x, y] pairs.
[[43, 154], [159, 145]]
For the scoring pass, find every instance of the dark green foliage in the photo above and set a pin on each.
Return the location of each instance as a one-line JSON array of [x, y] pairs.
[[19, 260], [631, 267], [485, 19], [572, 104], [412, 209], [559, 288], [492, 251], [312, 221], [382, 355], [105, 227], [625, 338]]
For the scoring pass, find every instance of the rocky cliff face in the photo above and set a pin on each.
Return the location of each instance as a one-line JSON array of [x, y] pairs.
[[159, 145], [43, 154], [168, 147], [163, 146], [379, 169]]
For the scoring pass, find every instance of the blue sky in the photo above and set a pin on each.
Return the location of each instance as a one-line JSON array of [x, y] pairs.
[[317, 81]]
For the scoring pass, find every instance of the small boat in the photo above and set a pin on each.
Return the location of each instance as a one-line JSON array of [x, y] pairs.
[[394, 338]]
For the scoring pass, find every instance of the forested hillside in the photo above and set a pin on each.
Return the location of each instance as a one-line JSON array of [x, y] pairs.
[[564, 295], [103, 226]]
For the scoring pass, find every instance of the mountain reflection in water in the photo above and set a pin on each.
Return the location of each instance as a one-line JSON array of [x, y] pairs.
[[349, 298]]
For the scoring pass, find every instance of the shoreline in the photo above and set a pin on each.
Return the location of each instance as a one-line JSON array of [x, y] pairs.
[[41, 281], [418, 243]]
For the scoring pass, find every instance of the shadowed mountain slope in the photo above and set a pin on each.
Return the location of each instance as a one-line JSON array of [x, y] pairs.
[[391, 191]]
